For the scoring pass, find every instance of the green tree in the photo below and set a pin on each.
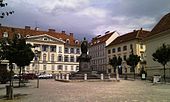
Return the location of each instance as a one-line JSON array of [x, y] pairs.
[[132, 61], [16, 51], [113, 63], [162, 56], [24, 55]]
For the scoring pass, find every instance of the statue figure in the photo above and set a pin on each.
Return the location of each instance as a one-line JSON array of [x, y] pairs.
[[84, 46]]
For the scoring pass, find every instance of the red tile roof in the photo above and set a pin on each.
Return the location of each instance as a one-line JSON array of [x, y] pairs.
[[136, 34], [27, 31], [101, 39], [162, 25]]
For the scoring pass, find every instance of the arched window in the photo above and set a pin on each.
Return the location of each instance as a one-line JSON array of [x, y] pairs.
[[52, 57], [67, 41], [44, 57]]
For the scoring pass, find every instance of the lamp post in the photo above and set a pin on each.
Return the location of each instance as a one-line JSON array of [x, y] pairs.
[[37, 58]]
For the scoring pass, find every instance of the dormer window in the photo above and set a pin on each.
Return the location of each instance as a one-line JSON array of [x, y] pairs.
[[61, 39], [45, 39], [68, 41], [27, 36], [76, 42], [19, 35], [5, 34]]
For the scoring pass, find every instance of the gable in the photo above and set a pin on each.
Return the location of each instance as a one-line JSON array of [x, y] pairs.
[[45, 38]]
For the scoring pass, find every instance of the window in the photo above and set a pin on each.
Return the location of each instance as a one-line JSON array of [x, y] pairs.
[[67, 41], [44, 57], [124, 57], [66, 50], [60, 49], [5, 35], [113, 50], [60, 58], [77, 68], [124, 48], [77, 50], [131, 46], [60, 67], [141, 46], [76, 42], [52, 67], [65, 58], [72, 59], [72, 68], [52, 48], [109, 51], [118, 49], [44, 47], [44, 67], [66, 68], [77, 58], [52, 57], [72, 50]]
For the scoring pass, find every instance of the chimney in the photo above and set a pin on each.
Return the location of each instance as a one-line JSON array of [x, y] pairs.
[[141, 29], [51, 30], [63, 32], [27, 27], [134, 30], [36, 28], [71, 34]]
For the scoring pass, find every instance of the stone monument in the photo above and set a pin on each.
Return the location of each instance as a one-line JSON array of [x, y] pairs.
[[84, 58]]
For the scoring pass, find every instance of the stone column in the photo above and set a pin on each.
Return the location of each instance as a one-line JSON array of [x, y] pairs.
[[101, 77], [85, 76], [67, 76]]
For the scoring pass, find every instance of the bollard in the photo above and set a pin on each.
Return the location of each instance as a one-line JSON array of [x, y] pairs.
[[59, 76], [63, 77], [117, 75], [67, 76], [109, 76], [101, 77], [85, 76]]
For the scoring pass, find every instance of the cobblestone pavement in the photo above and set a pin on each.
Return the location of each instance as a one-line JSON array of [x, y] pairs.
[[123, 91]]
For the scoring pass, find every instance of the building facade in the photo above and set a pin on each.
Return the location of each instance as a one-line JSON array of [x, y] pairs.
[[159, 35], [58, 52], [123, 46], [97, 50]]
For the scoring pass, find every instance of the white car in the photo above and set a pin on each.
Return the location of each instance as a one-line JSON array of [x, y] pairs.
[[45, 76]]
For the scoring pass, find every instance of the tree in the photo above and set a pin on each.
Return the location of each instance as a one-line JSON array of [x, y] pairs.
[[15, 51], [113, 63], [24, 55], [132, 61], [5, 13], [162, 56]]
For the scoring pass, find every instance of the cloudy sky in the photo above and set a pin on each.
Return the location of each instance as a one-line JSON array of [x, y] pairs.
[[86, 18]]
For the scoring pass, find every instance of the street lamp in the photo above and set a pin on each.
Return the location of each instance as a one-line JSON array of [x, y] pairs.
[[37, 58]]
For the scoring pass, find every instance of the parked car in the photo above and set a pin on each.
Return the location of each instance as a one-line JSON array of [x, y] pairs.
[[29, 76], [45, 76]]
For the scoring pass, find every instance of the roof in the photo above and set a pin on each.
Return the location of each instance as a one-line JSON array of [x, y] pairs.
[[101, 39], [136, 34], [162, 25], [24, 32]]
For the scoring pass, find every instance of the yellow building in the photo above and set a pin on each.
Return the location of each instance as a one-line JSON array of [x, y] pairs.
[[58, 51], [122, 46], [159, 35]]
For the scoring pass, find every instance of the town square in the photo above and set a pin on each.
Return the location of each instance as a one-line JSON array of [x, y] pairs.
[[84, 51]]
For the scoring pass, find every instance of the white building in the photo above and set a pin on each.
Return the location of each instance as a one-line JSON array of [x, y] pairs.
[[97, 50], [58, 51]]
